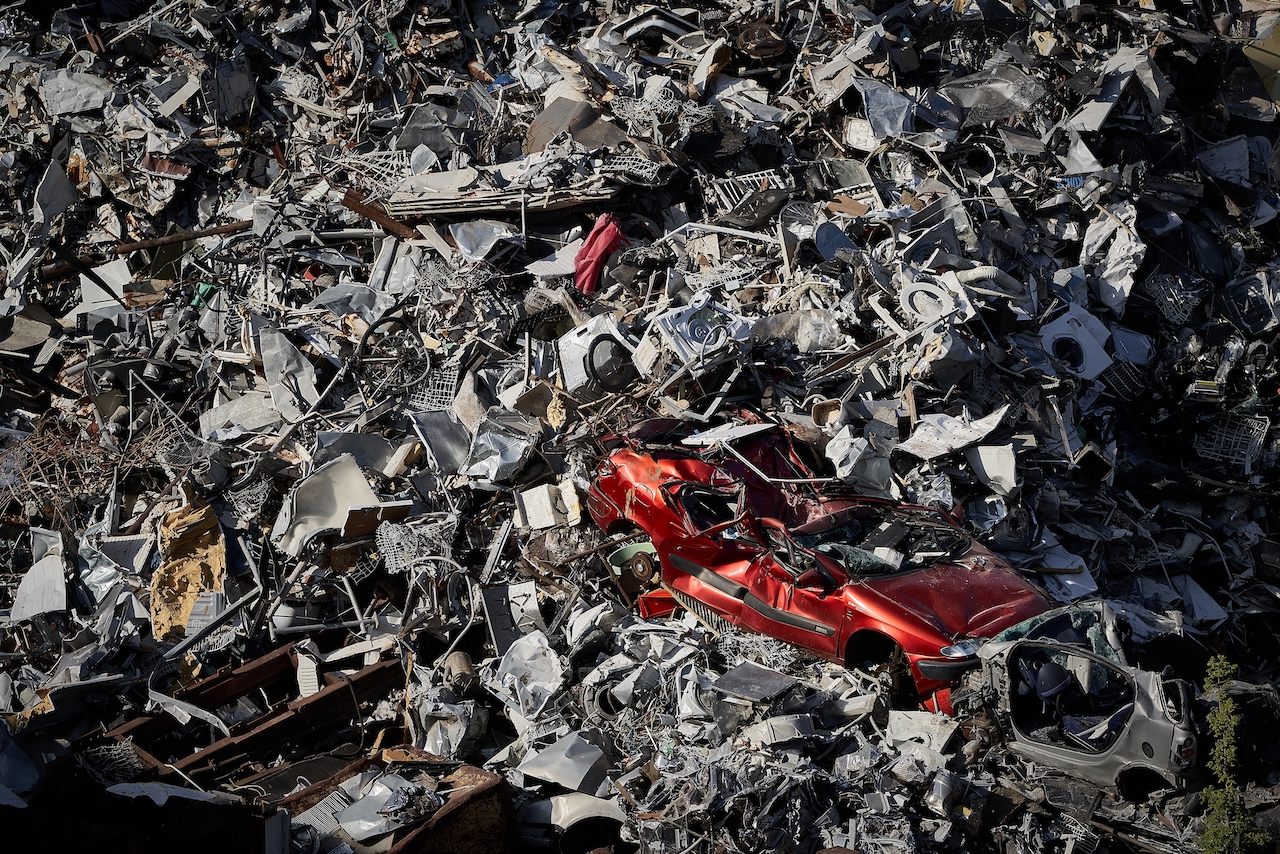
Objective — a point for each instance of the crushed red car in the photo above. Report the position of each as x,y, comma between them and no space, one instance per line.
743,534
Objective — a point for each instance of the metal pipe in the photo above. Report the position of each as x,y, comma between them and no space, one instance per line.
715,229
475,611
170,239
319,627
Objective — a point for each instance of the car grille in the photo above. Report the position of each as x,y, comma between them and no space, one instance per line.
705,615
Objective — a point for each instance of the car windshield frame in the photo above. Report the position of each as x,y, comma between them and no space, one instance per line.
732,493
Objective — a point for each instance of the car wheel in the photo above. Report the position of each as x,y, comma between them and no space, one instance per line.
643,566
902,686
884,658
392,356
1137,784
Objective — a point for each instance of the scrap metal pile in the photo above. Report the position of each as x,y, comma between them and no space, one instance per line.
745,426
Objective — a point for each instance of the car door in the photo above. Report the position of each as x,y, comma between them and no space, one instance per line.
823,607
709,551
776,604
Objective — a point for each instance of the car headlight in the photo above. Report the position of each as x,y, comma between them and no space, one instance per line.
962,649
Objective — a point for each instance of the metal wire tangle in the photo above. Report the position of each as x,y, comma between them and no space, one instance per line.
404,548
377,173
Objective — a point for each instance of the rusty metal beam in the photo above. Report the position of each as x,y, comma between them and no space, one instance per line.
300,717
213,691
353,201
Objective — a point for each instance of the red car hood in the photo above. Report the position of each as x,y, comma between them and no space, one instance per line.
960,601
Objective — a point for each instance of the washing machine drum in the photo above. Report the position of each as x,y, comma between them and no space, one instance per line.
1068,342
927,300
1069,351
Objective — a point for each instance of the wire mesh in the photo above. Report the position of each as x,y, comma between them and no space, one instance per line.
405,547
219,638
172,443
648,256
1124,379
111,764
399,546
643,115
363,568
983,387
1084,840
377,173
540,299
356,561
738,646
632,169
1175,296
249,500
800,218
299,84
1233,439
694,115
730,276
724,194
470,283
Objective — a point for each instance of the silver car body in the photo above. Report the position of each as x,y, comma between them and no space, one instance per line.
1156,735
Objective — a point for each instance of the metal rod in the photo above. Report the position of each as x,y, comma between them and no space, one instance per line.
170,239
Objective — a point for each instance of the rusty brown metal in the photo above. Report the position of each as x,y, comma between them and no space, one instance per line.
325,709
353,201
214,691
183,236
477,817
